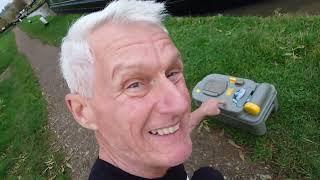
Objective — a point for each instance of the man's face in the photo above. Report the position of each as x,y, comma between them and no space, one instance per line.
141,104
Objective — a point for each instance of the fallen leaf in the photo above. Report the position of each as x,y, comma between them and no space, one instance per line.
298,47
53,177
69,166
288,54
45,170
61,169
200,127
221,133
206,127
228,33
234,144
50,162
264,177
241,155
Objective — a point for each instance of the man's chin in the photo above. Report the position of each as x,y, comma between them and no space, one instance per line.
180,156
171,150
174,155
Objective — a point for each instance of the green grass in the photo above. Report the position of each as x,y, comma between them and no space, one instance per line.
25,142
7,48
53,32
282,50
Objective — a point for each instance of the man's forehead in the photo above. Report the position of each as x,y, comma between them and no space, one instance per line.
173,60
111,36
110,32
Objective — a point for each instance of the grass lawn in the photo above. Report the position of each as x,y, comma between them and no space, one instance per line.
53,32
282,50
24,147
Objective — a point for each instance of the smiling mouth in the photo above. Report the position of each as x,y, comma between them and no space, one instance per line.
165,131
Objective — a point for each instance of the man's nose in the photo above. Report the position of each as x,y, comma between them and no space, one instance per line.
172,99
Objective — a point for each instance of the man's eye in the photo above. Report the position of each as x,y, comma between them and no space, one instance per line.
134,85
136,88
174,75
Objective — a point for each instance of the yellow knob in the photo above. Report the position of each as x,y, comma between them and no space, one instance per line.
252,108
229,91
232,80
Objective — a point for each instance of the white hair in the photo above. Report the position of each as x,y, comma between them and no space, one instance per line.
76,60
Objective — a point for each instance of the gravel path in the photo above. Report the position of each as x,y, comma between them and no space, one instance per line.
212,147
77,142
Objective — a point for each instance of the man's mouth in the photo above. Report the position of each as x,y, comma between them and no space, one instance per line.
166,130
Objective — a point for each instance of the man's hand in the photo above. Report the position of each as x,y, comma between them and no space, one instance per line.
211,107
208,108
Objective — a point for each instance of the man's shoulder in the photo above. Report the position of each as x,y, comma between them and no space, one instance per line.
100,170
103,170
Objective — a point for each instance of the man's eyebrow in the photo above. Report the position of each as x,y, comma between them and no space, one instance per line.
120,66
176,60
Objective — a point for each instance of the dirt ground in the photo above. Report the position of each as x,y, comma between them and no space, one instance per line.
210,148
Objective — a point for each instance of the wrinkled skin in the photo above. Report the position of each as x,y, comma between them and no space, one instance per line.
139,87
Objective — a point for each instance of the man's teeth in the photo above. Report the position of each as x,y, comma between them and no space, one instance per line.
165,131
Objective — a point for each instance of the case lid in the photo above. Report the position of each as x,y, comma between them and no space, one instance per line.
215,87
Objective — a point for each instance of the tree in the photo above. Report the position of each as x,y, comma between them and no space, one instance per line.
19,4
3,22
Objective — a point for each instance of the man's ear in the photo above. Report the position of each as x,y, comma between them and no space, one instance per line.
81,111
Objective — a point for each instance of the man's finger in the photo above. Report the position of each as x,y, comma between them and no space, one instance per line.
221,104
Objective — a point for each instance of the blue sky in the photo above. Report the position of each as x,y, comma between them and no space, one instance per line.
3,4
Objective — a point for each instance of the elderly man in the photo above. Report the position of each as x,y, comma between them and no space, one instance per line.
126,81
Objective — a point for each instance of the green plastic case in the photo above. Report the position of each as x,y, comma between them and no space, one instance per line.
236,92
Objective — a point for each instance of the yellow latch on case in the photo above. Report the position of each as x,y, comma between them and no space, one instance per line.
232,80
252,108
229,91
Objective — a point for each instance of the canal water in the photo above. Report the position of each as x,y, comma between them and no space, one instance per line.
231,7
270,7
243,7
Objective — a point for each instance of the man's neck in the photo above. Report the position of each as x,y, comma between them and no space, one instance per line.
129,166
